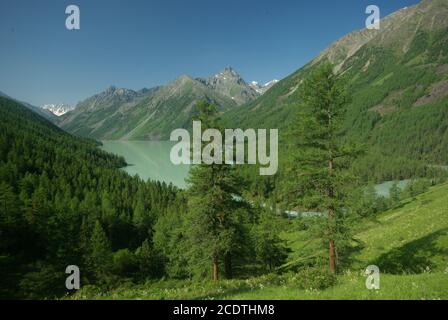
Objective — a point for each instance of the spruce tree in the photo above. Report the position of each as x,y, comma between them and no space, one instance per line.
9,219
270,249
100,253
212,224
317,171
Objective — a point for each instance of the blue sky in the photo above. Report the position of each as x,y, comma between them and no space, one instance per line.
136,44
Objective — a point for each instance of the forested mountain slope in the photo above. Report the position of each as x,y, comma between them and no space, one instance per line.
64,202
44,113
398,77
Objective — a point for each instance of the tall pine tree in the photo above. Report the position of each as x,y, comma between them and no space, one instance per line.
100,253
318,175
213,221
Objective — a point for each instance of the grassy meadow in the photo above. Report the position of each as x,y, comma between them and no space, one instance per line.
409,244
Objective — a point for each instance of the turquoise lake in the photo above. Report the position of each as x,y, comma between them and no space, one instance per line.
149,160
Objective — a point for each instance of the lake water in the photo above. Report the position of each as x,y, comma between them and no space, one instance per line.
149,160
383,189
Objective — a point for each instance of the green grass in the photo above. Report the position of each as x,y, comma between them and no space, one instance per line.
350,286
381,81
409,245
409,239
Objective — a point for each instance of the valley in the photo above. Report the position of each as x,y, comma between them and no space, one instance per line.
359,179
395,79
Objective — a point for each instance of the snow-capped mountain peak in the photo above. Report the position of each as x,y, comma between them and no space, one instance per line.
270,83
261,89
58,109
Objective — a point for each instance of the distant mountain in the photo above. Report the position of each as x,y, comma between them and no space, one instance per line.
398,77
230,84
262,88
151,114
57,109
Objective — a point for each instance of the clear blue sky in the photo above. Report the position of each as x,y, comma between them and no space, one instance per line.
137,44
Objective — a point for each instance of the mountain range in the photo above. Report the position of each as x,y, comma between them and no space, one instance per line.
58,109
397,76
151,114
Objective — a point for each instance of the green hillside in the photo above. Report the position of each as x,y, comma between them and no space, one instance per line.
57,194
398,77
409,245
410,239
